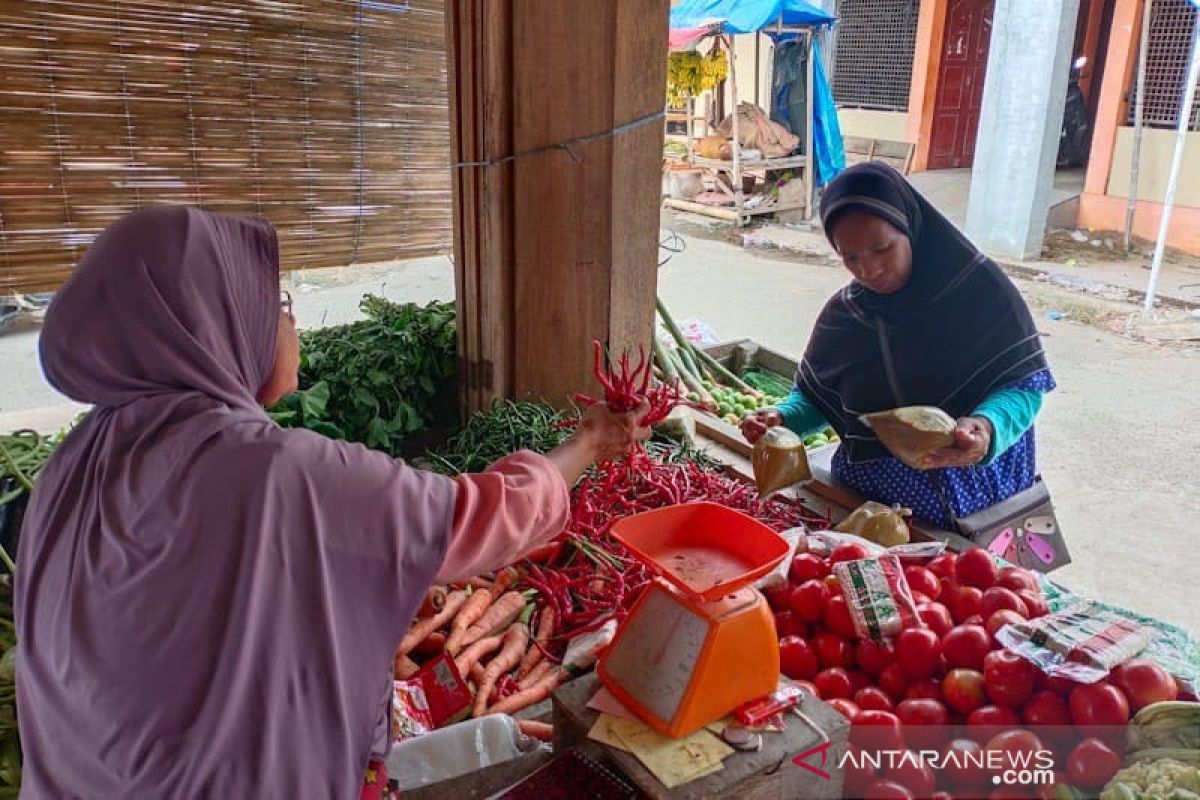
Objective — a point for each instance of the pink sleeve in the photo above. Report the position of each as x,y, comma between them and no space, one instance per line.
500,515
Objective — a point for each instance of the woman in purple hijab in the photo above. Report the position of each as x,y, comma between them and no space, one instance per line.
207,604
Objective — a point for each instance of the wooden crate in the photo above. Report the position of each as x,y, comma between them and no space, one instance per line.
739,354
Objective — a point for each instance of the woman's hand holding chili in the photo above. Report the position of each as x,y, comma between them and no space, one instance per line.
610,434
756,423
972,440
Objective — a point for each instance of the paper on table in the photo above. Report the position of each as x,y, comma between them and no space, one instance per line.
673,761
602,732
606,702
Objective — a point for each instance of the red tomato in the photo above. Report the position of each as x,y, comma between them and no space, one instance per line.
778,597
796,658
963,765
872,698
1017,579
873,656
963,690
1098,704
846,708
1092,764
986,721
858,774
926,689
914,775
787,624
837,617
833,651
917,651
858,679
806,567
877,730
966,646
974,619
926,722
922,580
937,617
808,600
976,568
848,551
886,790
998,598
998,620
943,565
1144,682
1057,684
963,601
1035,602
1008,678
893,680
941,796
1047,710
919,597
833,683
1012,744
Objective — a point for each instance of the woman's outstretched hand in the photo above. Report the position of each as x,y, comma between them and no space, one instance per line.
972,440
756,423
610,434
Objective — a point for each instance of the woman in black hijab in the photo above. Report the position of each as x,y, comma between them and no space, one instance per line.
927,320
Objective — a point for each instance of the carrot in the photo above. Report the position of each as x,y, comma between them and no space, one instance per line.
512,647
479,583
476,651
427,625
535,674
531,696
504,578
431,645
538,730
435,601
472,610
404,667
498,616
545,629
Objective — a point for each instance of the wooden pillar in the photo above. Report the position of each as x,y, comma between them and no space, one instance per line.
557,246
927,63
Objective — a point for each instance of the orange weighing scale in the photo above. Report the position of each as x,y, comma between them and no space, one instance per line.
700,641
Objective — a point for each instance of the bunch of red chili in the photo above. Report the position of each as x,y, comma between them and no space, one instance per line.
589,577
626,386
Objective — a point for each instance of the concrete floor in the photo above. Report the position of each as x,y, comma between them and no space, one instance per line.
1119,443
949,189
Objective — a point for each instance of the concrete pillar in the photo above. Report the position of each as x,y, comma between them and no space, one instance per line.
1019,124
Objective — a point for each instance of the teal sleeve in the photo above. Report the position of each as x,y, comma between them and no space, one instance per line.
1011,412
799,415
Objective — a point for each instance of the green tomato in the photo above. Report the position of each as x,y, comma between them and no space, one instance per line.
732,419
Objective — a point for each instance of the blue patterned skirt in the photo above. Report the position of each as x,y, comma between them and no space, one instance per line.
965,489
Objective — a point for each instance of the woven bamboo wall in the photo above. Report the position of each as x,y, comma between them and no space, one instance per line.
328,117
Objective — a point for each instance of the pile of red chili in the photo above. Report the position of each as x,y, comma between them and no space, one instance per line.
625,386
588,577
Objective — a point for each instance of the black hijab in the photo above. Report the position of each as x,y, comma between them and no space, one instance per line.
956,332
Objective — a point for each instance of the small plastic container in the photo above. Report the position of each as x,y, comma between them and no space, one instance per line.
705,549
456,750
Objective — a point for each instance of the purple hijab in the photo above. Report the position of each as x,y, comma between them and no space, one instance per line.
207,605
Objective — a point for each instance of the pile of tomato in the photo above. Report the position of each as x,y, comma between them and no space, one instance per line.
948,684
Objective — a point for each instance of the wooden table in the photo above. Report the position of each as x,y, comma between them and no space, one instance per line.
767,774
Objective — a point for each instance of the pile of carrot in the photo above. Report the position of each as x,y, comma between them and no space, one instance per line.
499,637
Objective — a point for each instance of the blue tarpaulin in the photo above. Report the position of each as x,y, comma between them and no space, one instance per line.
747,16
827,133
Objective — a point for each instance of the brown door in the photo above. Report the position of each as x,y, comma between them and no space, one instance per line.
960,83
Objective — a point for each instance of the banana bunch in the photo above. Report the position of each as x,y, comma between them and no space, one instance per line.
1168,725
689,74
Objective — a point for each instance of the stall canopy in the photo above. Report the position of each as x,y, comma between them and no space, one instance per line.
747,16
